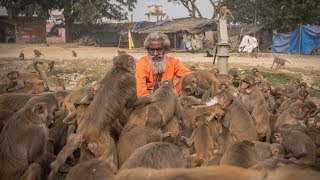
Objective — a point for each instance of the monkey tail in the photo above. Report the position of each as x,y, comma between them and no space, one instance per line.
287,61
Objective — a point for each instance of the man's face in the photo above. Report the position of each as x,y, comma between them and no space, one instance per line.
156,50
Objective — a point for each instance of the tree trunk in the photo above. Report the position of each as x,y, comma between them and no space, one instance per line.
196,10
68,24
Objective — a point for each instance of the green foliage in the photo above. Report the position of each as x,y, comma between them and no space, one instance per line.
280,15
82,11
276,79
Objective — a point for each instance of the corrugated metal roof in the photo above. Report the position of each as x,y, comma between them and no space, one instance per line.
191,25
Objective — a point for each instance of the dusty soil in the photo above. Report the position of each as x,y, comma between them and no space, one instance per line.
97,60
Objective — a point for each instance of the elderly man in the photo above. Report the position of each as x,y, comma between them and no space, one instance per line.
157,66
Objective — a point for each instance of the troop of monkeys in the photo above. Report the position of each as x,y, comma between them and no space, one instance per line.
37,54
230,126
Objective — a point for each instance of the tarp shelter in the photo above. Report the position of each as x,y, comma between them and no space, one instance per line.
247,44
303,40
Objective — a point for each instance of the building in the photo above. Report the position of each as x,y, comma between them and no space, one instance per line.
22,29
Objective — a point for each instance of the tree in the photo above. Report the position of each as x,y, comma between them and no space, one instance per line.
190,6
281,15
82,11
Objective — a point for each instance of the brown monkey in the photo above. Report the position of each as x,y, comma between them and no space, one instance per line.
279,61
92,169
76,95
297,113
294,97
254,102
257,76
217,172
37,53
298,145
156,155
144,124
241,154
193,68
29,82
93,133
51,65
237,119
235,78
201,138
121,52
31,124
74,54
5,115
254,54
200,83
222,12
267,94
267,150
21,55
15,101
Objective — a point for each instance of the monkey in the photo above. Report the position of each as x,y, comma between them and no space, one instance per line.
222,12
293,97
279,61
314,51
258,79
297,113
74,54
254,102
5,115
241,154
173,126
234,74
121,52
92,169
267,150
201,138
21,55
266,91
28,82
28,126
237,119
254,54
211,172
208,54
156,155
51,65
144,124
15,101
200,83
193,68
93,133
37,53
298,145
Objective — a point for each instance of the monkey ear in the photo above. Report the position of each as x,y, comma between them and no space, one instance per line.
39,108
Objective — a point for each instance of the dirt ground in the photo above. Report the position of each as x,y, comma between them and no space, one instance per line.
94,57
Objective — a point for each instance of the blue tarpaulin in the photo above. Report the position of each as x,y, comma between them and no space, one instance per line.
289,42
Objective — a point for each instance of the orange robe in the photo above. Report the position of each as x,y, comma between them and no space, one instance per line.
146,79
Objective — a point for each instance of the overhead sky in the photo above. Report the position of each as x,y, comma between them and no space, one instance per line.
172,10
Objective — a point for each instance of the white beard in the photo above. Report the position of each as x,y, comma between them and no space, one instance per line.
158,66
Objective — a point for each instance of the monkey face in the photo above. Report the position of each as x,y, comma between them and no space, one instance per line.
13,75
278,137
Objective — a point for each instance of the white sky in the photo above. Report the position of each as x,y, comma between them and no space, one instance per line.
172,10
